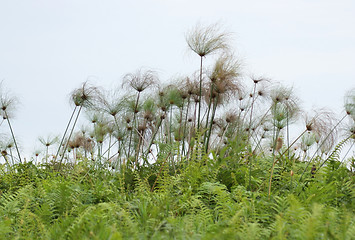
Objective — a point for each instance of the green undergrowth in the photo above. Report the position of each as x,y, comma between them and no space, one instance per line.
202,198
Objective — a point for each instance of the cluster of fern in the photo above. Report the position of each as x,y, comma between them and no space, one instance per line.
206,157
202,198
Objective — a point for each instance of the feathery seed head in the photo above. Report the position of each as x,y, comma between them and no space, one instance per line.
231,117
85,96
350,103
205,40
140,80
8,103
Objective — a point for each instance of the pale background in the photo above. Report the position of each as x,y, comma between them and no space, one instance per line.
48,48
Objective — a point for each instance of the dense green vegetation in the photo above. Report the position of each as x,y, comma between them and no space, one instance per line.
207,157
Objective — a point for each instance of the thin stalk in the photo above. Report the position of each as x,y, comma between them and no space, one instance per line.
208,112
13,136
140,144
181,112
336,148
154,135
258,141
321,146
65,132
170,122
211,123
275,136
294,141
347,152
185,123
221,138
273,162
180,126
133,123
12,157
264,116
258,145
74,156
288,133
71,132
120,143
46,154
99,147
250,158
195,114
141,135
200,96
251,110
108,150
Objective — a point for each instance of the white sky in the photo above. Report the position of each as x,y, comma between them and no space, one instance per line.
48,48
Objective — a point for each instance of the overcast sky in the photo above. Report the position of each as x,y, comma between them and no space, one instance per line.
48,48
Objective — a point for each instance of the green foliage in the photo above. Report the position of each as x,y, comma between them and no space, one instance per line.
191,203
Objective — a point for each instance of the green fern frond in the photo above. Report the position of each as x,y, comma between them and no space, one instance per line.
335,155
280,204
9,204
